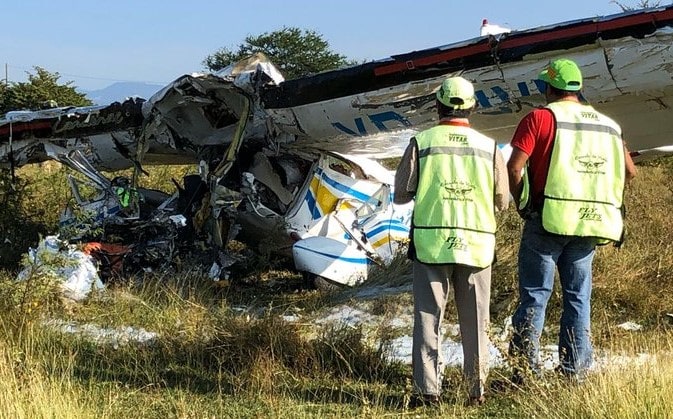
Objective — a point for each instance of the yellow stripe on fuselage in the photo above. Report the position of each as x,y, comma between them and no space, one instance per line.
325,199
380,242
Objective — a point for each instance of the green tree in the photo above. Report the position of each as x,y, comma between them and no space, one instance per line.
3,97
41,90
18,226
296,52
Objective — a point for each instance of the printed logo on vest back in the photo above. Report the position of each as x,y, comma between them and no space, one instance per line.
590,214
458,138
591,164
589,115
456,243
457,191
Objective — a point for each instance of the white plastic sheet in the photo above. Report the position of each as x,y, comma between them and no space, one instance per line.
74,268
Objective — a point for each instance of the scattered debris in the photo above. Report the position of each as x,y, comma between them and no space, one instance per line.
630,326
104,335
130,230
332,213
74,268
359,313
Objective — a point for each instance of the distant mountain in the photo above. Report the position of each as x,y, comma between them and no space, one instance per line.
119,91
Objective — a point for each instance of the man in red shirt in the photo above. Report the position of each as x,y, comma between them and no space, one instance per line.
572,155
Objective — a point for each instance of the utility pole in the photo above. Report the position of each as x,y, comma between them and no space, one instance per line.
6,76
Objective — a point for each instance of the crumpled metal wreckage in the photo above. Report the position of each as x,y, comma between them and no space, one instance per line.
128,230
333,213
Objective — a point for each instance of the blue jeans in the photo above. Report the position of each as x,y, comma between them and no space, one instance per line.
539,254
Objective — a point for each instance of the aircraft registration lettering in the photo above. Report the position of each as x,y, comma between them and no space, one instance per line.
502,94
378,119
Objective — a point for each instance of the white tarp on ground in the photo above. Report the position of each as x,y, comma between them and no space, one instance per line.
115,336
75,269
358,313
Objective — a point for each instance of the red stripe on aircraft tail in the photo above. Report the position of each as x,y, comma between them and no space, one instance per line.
556,34
24,126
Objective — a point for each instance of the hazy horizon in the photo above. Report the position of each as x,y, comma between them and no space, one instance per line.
95,44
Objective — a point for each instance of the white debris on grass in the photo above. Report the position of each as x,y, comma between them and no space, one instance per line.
291,318
549,356
116,337
75,269
358,314
400,347
214,272
606,360
630,326
345,315
452,352
400,321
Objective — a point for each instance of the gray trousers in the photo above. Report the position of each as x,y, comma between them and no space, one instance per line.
472,290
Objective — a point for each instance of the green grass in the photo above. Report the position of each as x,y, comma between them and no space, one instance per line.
228,352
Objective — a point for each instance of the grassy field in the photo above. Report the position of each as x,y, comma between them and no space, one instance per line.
233,352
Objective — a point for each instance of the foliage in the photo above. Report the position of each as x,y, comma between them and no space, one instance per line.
30,204
642,4
42,90
296,52
18,228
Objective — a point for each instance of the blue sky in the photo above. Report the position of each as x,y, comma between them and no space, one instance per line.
95,43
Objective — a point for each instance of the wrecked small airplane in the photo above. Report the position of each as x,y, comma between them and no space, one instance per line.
287,154
325,205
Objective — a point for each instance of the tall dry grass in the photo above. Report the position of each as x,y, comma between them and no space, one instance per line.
636,381
28,386
228,352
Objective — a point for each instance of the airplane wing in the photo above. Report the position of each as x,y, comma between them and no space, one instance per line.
373,108
105,134
626,60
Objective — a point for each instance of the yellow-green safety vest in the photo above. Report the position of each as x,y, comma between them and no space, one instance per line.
585,183
454,212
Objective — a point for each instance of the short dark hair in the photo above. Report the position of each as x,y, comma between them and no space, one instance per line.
559,92
447,111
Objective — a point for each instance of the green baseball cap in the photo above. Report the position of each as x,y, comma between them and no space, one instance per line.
562,74
457,93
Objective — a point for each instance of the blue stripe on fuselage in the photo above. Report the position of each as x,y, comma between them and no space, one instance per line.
360,261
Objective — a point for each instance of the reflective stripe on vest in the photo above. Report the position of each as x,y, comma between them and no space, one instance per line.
454,213
525,198
585,184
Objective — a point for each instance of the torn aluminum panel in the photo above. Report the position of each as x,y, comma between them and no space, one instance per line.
202,110
343,220
105,134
